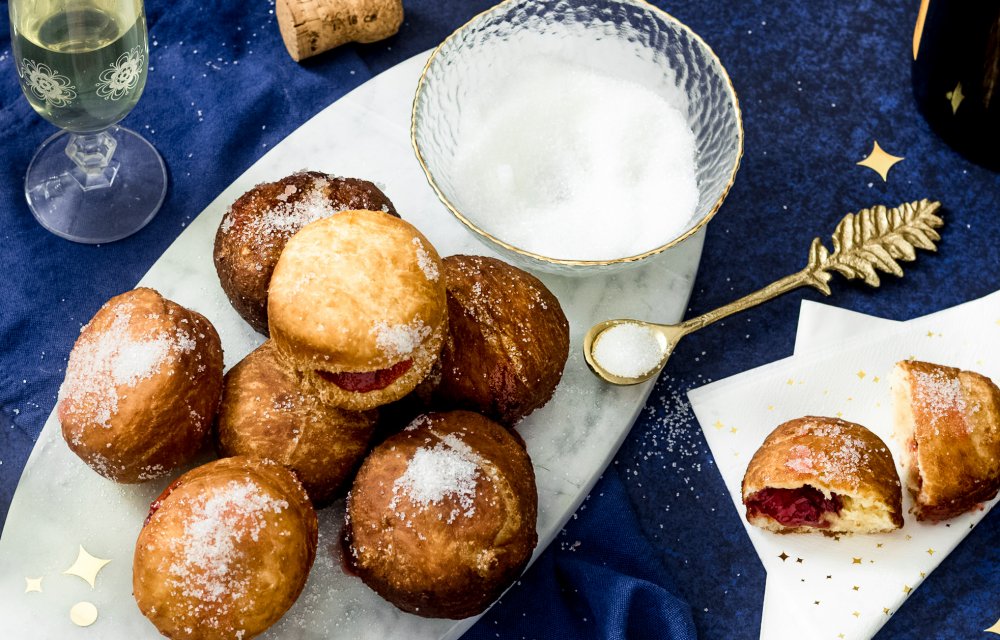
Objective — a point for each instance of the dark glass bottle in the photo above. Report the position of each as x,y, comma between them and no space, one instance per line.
956,75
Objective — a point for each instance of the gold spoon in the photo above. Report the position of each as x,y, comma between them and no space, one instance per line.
863,244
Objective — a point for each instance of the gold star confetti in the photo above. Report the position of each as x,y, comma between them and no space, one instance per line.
856,587
86,566
856,614
815,601
880,162
994,629
955,97
829,577
32,584
840,635
718,424
840,415
861,375
83,614
770,407
909,537
930,334
930,552
907,589
885,610
733,430
856,560
878,545
790,381
798,560
783,556
923,575
875,379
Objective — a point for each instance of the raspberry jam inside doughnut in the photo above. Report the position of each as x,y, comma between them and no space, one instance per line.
365,381
795,507
155,506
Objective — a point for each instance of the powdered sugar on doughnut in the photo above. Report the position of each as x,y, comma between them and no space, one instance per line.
800,459
842,461
399,340
425,262
210,549
283,218
98,368
448,469
939,395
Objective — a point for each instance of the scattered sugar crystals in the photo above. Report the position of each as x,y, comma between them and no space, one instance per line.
425,262
628,350
400,340
212,537
283,218
938,394
448,469
97,368
590,167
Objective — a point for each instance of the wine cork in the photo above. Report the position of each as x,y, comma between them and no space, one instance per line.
309,27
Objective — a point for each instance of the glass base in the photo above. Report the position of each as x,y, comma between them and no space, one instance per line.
110,205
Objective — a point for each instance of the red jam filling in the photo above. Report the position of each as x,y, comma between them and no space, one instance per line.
366,381
804,506
155,506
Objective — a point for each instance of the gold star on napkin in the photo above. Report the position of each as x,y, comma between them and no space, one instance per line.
86,566
880,162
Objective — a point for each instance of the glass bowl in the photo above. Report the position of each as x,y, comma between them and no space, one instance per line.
628,39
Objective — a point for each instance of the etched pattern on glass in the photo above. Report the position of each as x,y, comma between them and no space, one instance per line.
122,76
46,83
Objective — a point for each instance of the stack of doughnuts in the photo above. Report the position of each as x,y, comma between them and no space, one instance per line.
361,313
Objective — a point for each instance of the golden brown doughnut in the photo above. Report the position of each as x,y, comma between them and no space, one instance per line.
142,387
225,551
267,414
441,516
255,229
948,422
507,343
823,474
357,305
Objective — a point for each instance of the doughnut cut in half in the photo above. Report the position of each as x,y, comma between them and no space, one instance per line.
948,422
823,474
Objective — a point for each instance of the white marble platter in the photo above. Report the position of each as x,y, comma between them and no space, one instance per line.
60,503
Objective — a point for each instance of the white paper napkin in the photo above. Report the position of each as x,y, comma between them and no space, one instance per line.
818,586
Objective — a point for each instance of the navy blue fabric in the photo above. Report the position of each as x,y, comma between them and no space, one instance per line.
818,82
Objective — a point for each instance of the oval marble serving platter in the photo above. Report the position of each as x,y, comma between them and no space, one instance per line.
60,504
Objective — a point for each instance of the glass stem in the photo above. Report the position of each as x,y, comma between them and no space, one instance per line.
92,154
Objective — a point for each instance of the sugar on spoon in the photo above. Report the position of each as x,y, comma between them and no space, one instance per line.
626,352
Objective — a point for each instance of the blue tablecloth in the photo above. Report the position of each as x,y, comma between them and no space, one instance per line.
658,549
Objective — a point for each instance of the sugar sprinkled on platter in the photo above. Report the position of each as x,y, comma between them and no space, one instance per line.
571,163
627,350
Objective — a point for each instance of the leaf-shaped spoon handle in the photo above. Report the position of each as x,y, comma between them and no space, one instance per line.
864,243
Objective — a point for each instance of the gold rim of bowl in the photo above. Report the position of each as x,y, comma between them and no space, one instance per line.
562,261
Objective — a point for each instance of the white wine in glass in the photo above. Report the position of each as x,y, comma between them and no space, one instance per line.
82,65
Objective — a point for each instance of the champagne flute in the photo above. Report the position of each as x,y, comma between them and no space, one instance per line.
82,65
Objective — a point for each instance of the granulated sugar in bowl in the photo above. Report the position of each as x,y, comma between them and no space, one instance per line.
577,137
